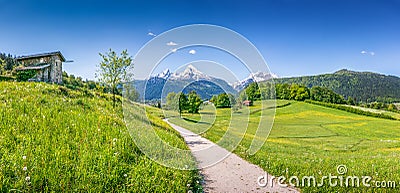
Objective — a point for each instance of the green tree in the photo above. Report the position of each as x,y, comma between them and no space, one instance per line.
232,99
214,99
172,101
130,92
391,107
223,101
193,103
253,92
323,94
302,93
2,66
183,101
282,91
114,69
267,90
350,101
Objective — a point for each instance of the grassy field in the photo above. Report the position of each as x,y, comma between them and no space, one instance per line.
311,140
55,139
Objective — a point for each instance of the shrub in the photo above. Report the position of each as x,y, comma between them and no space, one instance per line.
351,109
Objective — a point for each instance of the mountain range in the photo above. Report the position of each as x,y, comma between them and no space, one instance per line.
361,86
159,85
253,77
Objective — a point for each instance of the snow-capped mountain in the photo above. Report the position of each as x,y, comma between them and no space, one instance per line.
164,74
190,73
159,85
253,77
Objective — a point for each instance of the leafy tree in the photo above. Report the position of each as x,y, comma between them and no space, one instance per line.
214,99
325,95
282,91
223,101
9,62
302,93
172,101
243,96
267,90
130,92
253,92
114,69
2,65
232,99
193,103
391,107
182,104
350,101
25,75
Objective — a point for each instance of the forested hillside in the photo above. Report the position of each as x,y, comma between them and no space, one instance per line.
362,86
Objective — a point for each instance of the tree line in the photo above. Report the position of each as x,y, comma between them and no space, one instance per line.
363,87
182,102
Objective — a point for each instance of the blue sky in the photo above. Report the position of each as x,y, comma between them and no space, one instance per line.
295,37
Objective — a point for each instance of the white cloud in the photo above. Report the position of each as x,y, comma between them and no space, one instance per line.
174,50
368,52
151,34
192,52
171,44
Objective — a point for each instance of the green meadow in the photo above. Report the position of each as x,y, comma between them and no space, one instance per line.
310,140
55,139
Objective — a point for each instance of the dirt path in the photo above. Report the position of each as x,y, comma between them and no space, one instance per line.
232,174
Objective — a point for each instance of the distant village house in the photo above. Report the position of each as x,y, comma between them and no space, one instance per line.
247,103
48,66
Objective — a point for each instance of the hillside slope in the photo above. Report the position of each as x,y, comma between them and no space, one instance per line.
56,139
363,86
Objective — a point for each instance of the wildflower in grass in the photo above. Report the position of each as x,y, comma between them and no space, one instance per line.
25,168
28,178
23,157
188,185
125,175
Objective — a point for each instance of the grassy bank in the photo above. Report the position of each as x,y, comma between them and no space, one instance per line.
56,139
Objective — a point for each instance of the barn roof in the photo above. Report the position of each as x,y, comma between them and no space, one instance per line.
42,55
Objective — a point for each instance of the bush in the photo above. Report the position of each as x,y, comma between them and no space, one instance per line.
351,109
25,75
6,78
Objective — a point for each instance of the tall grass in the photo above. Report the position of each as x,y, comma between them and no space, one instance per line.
56,139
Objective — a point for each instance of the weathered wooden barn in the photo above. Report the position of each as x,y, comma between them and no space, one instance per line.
48,66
